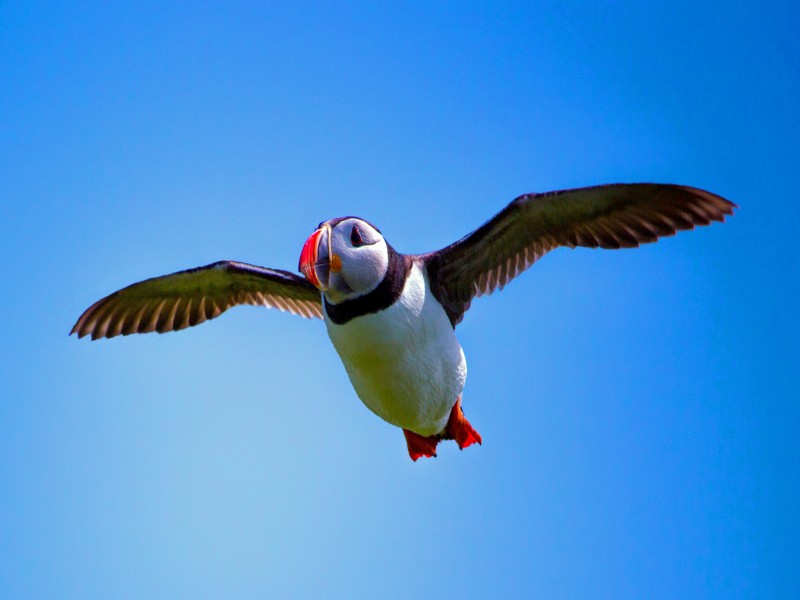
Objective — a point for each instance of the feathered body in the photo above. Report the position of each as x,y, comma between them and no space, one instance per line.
404,362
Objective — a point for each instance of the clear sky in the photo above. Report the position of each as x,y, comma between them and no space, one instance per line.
639,409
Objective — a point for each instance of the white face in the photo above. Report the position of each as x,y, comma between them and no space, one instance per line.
347,260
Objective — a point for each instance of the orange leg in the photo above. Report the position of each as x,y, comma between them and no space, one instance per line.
457,428
460,429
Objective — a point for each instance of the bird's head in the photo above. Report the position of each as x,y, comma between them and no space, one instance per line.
345,258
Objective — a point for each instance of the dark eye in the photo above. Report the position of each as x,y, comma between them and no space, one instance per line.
355,237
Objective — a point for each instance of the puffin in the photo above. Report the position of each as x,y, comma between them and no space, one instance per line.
392,317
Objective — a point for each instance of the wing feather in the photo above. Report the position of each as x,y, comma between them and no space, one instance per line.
187,298
608,216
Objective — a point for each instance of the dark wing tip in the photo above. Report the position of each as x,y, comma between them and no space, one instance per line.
85,325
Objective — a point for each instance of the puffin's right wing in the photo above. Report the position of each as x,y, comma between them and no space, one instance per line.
186,298
605,216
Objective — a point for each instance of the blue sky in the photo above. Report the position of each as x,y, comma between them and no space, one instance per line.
639,409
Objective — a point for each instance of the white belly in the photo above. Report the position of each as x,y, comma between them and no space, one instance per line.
404,362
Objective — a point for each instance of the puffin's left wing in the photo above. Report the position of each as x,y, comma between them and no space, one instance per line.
186,298
606,216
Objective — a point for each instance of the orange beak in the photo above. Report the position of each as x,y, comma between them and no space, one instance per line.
310,264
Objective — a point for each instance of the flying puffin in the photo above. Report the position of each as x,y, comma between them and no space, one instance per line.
392,316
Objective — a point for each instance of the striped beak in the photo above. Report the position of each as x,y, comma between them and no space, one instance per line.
314,258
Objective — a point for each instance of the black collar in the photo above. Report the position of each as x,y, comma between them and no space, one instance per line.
383,296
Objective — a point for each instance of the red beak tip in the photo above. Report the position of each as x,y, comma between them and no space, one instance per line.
308,258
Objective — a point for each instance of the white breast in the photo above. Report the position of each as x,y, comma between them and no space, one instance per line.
404,362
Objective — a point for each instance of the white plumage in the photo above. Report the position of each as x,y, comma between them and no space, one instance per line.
404,362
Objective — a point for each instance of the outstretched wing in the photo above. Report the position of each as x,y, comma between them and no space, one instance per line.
186,298
606,216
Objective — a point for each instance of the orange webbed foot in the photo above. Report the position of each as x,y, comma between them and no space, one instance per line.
419,445
460,429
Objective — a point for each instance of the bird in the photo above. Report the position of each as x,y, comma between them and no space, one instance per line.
392,317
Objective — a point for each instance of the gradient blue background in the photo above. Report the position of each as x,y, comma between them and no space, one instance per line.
639,409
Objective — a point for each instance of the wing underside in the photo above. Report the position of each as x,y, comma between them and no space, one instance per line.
186,298
608,216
